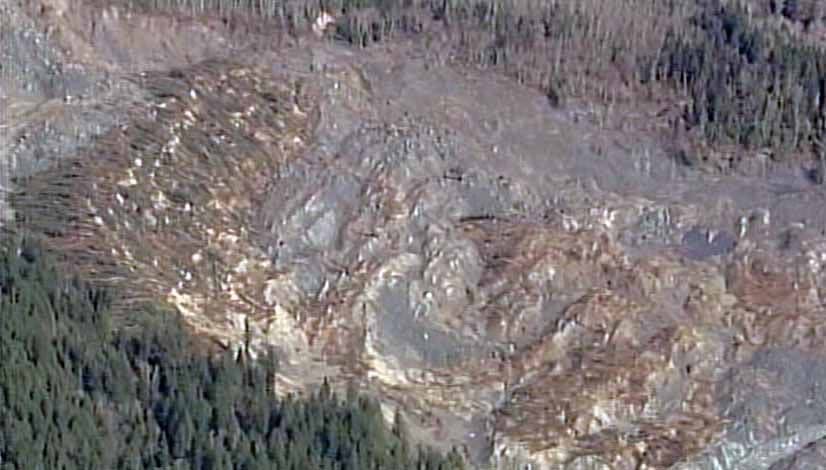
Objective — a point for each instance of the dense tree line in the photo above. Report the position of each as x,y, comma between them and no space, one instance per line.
807,12
748,85
79,392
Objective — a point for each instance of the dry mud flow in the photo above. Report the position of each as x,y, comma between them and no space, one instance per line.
523,281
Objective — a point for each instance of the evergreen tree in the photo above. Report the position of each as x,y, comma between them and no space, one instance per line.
77,393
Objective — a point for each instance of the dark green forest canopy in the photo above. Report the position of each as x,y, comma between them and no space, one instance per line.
748,85
77,391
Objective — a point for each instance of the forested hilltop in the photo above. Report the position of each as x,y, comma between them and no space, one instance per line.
745,76
81,390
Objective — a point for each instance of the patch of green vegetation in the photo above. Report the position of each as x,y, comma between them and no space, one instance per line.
81,390
748,85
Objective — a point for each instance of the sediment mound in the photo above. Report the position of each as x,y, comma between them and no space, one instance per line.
522,281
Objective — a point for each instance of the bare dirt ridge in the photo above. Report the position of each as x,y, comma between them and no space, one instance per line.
523,281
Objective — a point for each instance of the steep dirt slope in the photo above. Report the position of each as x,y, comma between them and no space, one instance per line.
521,281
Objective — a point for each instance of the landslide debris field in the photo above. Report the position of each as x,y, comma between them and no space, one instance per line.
545,238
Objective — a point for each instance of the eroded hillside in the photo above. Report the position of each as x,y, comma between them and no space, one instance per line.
527,281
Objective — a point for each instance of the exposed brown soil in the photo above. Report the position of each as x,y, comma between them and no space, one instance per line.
531,283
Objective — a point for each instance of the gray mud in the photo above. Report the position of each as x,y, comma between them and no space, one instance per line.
408,156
